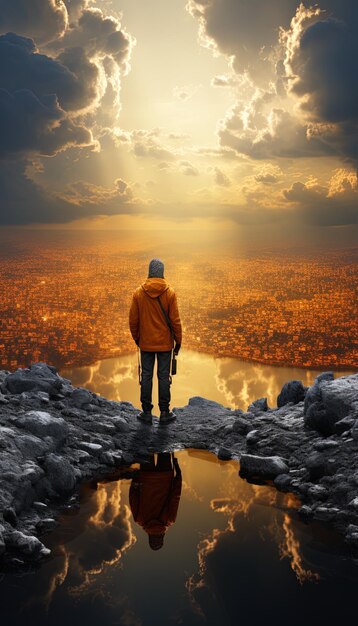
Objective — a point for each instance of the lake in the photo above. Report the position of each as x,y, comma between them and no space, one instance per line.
236,553
230,381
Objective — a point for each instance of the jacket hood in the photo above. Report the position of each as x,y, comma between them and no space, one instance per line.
154,287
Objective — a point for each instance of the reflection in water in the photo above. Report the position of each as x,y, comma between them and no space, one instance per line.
229,537
231,382
154,496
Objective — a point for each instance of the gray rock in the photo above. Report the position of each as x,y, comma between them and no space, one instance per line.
60,474
241,426
81,397
203,402
32,447
92,448
293,391
120,423
319,418
283,482
224,454
258,405
313,393
252,437
316,466
328,444
26,544
346,423
39,377
43,424
262,466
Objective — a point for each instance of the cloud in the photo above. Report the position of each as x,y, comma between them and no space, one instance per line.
221,179
331,205
321,67
269,174
25,202
147,145
224,81
42,20
244,31
285,55
30,125
188,168
58,63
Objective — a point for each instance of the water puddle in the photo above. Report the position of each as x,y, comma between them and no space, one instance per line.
224,552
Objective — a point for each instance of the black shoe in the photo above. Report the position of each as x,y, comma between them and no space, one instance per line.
145,416
166,417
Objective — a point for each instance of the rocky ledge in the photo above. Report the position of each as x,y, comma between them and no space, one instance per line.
54,436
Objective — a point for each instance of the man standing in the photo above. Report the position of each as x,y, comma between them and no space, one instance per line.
149,326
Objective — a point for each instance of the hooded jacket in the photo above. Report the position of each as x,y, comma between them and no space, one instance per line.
146,319
154,500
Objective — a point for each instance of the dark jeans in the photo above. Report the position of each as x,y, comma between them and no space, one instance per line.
163,372
164,463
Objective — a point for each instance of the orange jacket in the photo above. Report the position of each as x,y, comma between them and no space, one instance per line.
146,320
154,500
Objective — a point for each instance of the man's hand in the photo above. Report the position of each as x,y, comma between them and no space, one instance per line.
177,348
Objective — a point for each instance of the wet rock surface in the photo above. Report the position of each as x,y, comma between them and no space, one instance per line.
54,436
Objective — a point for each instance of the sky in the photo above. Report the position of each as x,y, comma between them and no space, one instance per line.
221,116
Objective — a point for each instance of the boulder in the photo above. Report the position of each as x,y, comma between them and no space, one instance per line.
313,393
252,437
262,466
293,391
241,426
340,396
258,405
59,473
224,454
26,544
346,423
80,397
43,425
31,447
316,465
319,418
39,377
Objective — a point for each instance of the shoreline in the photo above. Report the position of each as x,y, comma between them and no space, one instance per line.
55,437
276,364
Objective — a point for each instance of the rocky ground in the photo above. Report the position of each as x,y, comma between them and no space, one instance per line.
54,436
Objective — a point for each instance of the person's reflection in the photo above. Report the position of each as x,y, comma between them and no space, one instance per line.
154,496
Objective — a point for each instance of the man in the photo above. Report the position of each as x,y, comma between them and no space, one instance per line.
150,330
154,496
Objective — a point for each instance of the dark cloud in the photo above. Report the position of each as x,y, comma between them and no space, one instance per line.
281,135
25,202
72,78
98,34
318,206
28,124
58,63
321,66
42,20
244,30
288,49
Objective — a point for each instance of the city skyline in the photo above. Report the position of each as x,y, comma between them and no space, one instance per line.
66,301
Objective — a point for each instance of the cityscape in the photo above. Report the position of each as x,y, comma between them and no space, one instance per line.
68,304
